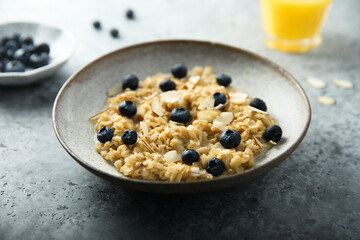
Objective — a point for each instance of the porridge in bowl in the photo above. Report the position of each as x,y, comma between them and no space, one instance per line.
183,126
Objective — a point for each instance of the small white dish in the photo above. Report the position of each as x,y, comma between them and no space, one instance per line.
61,44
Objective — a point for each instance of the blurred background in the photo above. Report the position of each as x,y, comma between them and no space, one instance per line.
314,194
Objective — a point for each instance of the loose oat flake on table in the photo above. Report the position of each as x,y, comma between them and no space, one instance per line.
199,130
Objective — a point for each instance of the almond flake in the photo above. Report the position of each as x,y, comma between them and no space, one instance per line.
147,145
272,142
217,146
170,96
114,90
257,110
176,123
257,142
172,156
219,125
342,83
196,172
156,107
237,97
208,115
97,116
316,83
220,106
225,117
326,100
144,128
192,82
208,103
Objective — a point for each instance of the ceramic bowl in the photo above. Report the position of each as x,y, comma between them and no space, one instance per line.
83,95
61,48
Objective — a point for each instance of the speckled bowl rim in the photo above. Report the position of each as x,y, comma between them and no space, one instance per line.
54,64
248,174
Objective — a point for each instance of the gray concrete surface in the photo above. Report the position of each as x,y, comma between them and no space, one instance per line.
314,194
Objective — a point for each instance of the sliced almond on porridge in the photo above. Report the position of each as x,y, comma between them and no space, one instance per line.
156,107
208,115
272,142
147,145
170,96
257,110
225,117
144,128
343,83
114,90
196,172
217,146
315,82
207,103
192,82
172,156
97,116
257,142
237,97
219,125
220,106
326,100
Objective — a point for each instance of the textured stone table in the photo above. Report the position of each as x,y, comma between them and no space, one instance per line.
314,194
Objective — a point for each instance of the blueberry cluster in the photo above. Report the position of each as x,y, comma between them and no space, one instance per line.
19,52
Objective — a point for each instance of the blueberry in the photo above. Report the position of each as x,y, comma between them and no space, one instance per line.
11,44
130,14
180,114
26,40
258,103
43,47
2,53
273,133
16,38
127,108
189,156
129,137
215,166
130,81
230,138
21,55
97,24
1,66
179,70
219,98
223,79
38,59
9,53
105,134
167,85
114,33
4,40
14,66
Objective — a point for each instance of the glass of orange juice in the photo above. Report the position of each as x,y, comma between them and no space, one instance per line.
293,25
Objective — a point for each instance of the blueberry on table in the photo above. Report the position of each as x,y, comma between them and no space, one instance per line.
97,24
258,103
43,47
273,133
189,156
223,79
180,114
215,166
129,137
167,85
14,66
127,108
130,81
21,55
230,138
114,33
130,14
179,70
219,98
38,59
105,134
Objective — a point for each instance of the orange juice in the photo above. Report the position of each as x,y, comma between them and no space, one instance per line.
293,25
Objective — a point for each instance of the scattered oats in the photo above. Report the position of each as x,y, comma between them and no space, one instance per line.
151,96
156,107
219,125
208,115
172,156
326,100
315,82
343,83
225,117
114,90
238,97
257,110
208,103
170,96
217,146
257,142
144,128
97,116
192,82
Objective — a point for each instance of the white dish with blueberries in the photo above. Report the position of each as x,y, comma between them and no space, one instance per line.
30,52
